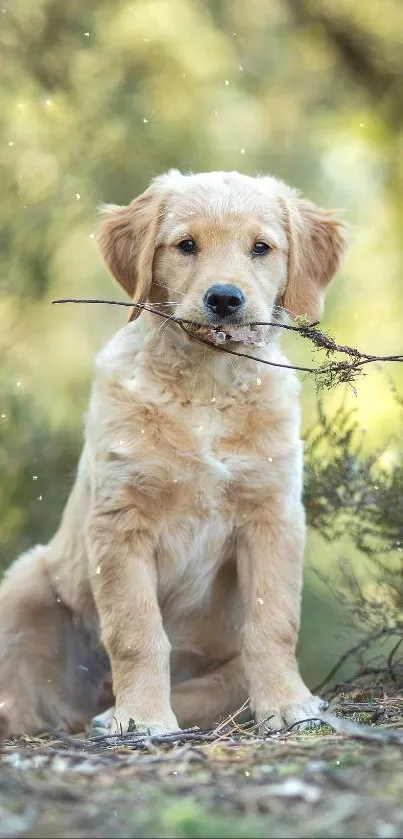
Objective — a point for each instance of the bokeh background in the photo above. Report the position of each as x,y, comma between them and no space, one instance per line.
98,97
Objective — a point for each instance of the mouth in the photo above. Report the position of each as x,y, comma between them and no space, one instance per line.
230,334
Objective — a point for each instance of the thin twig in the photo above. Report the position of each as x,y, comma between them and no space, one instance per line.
100,738
142,306
183,323
328,374
391,656
357,731
363,644
246,355
297,723
145,307
142,741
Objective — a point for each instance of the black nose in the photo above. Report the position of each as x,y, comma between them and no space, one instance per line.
224,300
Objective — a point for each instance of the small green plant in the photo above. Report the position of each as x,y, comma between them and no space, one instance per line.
354,494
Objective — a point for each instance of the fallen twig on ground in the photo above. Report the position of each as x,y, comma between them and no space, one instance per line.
361,732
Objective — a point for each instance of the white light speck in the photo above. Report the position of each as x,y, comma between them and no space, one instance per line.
92,235
98,571
213,399
18,384
34,477
145,120
48,102
11,143
142,431
175,480
247,774
226,83
240,67
121,442
2,704
200,428
270,459
362,124
260,601
242,151
3,416
58,600
258,382
40,497
86,34
78,196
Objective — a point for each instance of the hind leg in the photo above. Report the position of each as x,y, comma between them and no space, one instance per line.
208,699
102,722
44,662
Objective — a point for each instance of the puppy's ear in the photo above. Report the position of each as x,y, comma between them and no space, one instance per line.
127,242
316,244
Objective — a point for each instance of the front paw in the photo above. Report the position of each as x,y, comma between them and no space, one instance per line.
302,714
144,728
114,722
132,723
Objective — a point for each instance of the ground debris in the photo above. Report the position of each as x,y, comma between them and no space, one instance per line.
231,782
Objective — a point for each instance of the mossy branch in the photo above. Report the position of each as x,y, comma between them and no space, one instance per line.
327,375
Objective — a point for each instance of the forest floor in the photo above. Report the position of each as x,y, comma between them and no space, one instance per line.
341,780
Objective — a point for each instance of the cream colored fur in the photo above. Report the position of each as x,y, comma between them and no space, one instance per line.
179,555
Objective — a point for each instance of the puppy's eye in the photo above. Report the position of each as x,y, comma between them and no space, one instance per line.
187,246
260,248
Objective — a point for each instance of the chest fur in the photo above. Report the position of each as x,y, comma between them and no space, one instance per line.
201,459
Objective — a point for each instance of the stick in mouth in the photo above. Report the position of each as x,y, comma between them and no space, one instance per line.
245,334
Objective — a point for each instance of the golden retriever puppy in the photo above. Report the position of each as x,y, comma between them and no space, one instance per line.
176,570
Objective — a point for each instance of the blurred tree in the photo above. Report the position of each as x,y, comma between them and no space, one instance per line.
369,42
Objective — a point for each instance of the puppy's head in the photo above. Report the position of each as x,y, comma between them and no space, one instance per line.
222,248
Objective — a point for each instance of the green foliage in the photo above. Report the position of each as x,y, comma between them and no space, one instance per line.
32,463
355,497
350,491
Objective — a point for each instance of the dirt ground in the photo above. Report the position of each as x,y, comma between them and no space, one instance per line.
343,780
